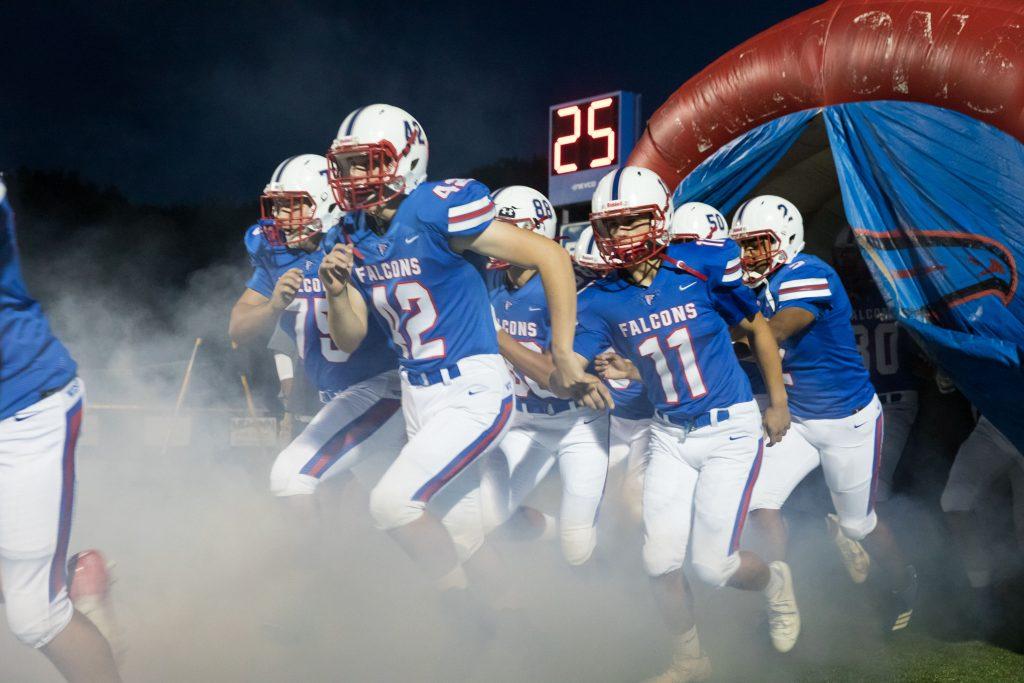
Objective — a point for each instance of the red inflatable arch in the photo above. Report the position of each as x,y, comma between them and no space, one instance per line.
965,56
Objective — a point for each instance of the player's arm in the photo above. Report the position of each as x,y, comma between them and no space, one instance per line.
536,366
523,248
253,315
766,350
347,316
789,322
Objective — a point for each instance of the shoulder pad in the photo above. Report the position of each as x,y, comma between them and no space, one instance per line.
451,202
254,239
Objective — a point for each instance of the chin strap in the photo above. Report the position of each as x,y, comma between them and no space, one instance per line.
676,263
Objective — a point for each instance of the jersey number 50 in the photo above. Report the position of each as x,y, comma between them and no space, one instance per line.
418,317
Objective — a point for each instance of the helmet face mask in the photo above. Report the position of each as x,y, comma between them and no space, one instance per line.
365,175
761,254
621,237
288,218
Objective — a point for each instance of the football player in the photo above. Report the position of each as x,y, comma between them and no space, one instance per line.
697,221
837,418
41,402
547,429
630,423
669,311
359,391
398,259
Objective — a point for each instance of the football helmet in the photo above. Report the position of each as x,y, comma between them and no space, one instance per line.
770,231
380,153
622,201
523,207
697,221
586,252
297,202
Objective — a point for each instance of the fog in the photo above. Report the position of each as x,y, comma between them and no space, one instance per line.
215,583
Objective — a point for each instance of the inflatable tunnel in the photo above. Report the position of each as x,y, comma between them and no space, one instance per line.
903,120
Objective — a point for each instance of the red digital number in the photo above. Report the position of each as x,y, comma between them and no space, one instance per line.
573,147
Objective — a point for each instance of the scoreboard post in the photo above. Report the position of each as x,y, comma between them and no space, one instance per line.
587,138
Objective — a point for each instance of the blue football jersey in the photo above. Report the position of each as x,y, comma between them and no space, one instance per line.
523,314
631,402
327,367
821,365
676,331
32,359
429,299
885,348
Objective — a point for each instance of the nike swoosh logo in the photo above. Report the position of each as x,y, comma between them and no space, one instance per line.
536,308
586,422
474,393
733,438
23,417
683,288
410,240
860,425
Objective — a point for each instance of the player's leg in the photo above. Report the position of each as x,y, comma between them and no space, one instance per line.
632,488
732,456
851,454
979,463
37,486
529,454
361,421
783,466
451,425
899,412
667,508
583,466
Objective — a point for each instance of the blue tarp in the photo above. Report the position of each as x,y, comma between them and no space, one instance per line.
936,200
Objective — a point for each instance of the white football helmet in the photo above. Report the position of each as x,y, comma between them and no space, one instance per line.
697,221
389,149
525,208
623,197
298,202
587,253
770,231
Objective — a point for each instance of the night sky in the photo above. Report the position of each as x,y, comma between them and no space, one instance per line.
175,106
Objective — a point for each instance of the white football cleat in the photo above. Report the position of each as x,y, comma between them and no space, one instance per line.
855,558
89,589
685,670
783,614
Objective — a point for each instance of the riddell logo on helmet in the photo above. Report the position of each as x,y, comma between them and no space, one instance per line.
616,204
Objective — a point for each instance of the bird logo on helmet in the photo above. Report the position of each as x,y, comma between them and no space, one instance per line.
526,208
380,153
631,210
298,203
697,221
770,231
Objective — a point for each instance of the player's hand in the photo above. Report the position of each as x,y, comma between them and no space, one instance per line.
284,291
591,392
776,423
611,365
336,269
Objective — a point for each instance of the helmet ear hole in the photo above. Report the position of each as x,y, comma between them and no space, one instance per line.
414,164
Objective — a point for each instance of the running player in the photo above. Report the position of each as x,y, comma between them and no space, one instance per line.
837,418
669,311
359,391
547,429
41,402
398,258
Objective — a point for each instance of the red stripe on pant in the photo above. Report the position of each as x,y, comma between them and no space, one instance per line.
58,566
467,455
876,464
748,490
350,436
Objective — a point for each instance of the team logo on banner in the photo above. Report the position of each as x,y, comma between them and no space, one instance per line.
949,268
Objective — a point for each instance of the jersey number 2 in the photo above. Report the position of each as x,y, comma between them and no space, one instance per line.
419,315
